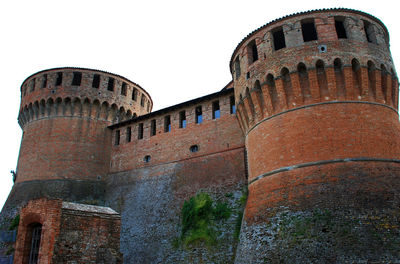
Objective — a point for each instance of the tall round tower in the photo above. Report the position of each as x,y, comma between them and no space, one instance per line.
64,115
317,100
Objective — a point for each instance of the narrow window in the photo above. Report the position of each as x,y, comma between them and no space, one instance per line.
128,134
167,123
147,158
117,136
252,52
35,244
194,148
247,75
199,115
148,106
237,67
340,29
153,128
369,32
140,131
44,83
279,39
96,81
134,94
33,84
142,100
59,78
110,86
216,112
123,89
77,78
232,105
182,119
308,30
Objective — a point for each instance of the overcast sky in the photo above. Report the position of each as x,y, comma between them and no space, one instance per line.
175,50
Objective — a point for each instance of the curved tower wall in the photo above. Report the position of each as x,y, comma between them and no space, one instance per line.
64,116
319,111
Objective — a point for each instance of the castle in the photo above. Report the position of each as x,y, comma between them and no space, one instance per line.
309,125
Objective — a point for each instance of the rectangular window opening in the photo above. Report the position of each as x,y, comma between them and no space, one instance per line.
216,112
142,100
44,83
140,131
59,78
232,105
167,123
340,29
128,134
96,81
134,94
123,88
153,128
309,31
199,115
110,86
237,67
33,83
77,78
279,39
252,51
117,137
182,119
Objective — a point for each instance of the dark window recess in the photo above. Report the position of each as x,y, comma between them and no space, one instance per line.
123,89
167,123
309,31
134,94
35,244
279,39
117,137
147,158
128,134
142,100
199,115
110,85
252,51
153,128
216,112
248,75
140,131
148,106
96,81
232,105
59,78
182,119
340,29
194,148
237,67
77,78
33,83
369,32
44,83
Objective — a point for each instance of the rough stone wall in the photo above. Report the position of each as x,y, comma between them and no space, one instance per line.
87,236
150,201
150,195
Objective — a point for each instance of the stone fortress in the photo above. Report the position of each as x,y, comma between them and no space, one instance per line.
308,127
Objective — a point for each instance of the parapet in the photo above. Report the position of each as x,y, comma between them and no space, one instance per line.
81,92
313,57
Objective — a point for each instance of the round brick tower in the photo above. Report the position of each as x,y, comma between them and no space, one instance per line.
317,99
64,115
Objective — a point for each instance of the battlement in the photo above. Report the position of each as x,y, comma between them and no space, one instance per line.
313,57
81,92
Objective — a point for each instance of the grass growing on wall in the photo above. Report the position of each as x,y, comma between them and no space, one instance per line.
199,215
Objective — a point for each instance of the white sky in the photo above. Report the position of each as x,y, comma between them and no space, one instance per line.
176,50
